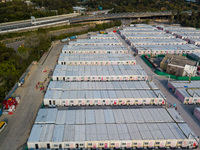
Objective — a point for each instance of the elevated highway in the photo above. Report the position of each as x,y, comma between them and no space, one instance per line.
51,21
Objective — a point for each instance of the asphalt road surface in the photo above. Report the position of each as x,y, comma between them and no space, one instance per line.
16,133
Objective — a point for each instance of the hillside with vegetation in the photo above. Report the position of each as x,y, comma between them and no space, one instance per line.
19,10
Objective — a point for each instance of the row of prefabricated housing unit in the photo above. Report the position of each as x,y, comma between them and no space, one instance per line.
97,59
187,92
101,49
192,35
107,84
60,93
99,73
110,128
151,40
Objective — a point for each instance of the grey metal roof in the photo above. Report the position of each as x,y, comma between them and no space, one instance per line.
58,133
108,124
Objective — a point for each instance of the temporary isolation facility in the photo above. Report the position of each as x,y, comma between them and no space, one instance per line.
166,49
99,73
110,128
96,59
60,93
187,92
88,49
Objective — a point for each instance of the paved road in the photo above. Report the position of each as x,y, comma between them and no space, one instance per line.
19,125
184,110
15,44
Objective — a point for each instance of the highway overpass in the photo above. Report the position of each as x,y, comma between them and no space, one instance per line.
27,25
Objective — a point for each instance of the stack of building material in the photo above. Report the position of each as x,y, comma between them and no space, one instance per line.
187,92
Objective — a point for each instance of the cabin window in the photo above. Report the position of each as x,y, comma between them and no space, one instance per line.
81,144
187,100
157,143
134,143
54,102
144,100
63,101
48,146
67,144
57,78
101,144
104,101
123,143
55,145
79,101
128,100
49,102
136,100
146,143
120,101
89,144
168,142
190,142
112,144
180,142
36,146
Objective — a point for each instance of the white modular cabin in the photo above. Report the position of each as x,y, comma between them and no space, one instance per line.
171,41
103,97
166,49
99,73
98,49
187,92
197,113
95,42
110,128
98,59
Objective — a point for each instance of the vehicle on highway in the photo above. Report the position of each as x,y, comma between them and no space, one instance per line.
2,125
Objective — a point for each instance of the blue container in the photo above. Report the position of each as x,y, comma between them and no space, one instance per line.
100,8
73,37
1,110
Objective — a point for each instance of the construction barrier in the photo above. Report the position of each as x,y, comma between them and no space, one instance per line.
166,74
